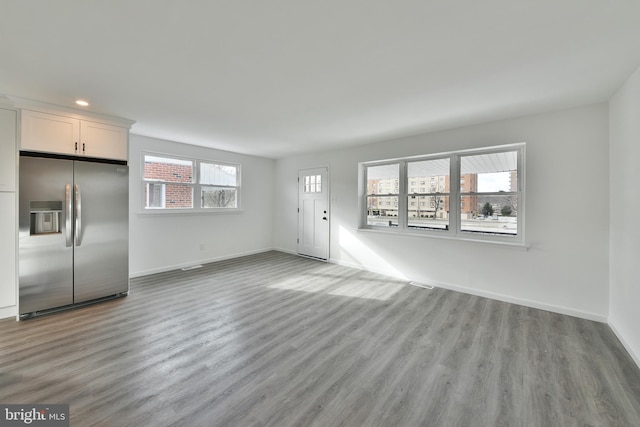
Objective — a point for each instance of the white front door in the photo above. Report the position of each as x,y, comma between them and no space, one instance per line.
313,213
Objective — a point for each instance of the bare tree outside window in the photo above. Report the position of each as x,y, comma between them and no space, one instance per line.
219,186
219,198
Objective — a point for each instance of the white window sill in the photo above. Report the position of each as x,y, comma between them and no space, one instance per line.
506,241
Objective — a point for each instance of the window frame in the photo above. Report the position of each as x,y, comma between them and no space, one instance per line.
397,205
454,230
200,185
428,193
196,186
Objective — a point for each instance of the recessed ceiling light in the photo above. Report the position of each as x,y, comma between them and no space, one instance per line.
82,103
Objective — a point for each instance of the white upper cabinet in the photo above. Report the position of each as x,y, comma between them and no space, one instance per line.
49,133
102,140
57,133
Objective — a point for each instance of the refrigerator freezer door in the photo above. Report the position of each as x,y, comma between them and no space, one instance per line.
46,262
101,252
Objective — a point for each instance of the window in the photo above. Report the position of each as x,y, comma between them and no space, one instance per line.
313,184
218,186
171,183
381,211
437,197
155,193
168,183
491,203
472,194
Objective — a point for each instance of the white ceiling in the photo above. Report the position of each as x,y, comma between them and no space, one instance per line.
279,77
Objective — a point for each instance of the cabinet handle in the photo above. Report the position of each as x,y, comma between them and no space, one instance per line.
76,145
83,147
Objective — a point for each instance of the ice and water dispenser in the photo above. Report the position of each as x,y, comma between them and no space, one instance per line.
46,217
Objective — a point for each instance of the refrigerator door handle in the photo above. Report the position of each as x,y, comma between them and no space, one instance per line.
78,230
69,201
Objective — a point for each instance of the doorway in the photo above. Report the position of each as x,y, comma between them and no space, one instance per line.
313,212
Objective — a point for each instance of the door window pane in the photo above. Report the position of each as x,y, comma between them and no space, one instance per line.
313,184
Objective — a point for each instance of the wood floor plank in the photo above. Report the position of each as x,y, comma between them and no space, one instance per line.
278,340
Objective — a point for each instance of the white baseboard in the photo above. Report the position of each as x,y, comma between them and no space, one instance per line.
394,274
525,302
499,297
6,312
141,273
635,356
286,251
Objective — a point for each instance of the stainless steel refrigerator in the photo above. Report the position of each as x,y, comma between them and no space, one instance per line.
73,238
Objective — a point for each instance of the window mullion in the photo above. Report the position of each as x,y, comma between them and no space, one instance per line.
454,198
197,190
403,211
364,212
520,192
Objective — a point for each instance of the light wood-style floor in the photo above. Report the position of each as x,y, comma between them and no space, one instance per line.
278,340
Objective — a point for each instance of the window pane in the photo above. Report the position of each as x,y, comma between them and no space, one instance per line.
383,179
168,196
489,214
492,172
167,169
428,212
382,211
313,184
219,197
154,195
214,174
428,176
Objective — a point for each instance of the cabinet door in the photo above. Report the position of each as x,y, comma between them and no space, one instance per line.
7,250
104,141
49,133
8,125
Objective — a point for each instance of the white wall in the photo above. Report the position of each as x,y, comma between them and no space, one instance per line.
165,242
566,267
624,305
